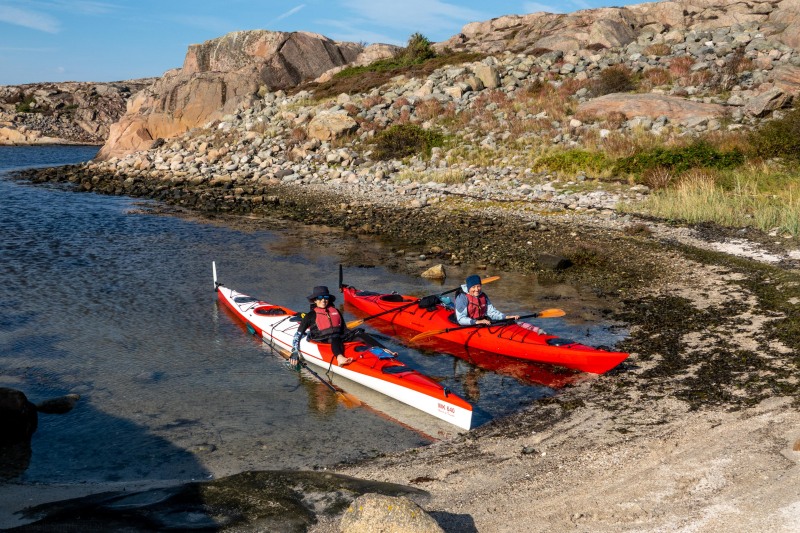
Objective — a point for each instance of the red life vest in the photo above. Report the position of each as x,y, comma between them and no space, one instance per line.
477,307
328,320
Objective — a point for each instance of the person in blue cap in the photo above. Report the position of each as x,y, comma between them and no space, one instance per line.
473,306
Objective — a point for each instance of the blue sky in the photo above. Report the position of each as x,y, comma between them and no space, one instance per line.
112,40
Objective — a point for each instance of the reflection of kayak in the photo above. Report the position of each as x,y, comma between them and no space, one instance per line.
508,339
372,366
526,372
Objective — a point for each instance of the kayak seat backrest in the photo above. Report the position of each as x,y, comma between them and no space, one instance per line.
367,293
429,302
270,311
395,369
452,318
559,342
392,298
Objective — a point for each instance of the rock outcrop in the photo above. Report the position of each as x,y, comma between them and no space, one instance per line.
63,113
220,76
618,26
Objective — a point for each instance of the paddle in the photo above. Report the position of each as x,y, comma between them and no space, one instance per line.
355,323
348,399
547,313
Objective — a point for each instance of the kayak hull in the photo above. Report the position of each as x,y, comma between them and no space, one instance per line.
372,367
510,340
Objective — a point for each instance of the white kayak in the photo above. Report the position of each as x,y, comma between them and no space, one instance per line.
373,367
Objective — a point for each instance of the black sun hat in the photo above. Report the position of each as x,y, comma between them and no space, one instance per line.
321,291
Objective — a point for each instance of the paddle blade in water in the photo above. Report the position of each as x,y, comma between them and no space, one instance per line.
551,313
349,400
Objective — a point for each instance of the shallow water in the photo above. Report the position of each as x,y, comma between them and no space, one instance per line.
104,298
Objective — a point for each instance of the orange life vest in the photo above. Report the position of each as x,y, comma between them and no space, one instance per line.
477,307
328,321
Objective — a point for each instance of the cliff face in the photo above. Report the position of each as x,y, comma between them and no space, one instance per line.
220,76
63,113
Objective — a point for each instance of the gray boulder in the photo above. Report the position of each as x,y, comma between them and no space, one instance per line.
376,513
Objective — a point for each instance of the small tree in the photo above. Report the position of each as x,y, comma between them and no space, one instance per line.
417,50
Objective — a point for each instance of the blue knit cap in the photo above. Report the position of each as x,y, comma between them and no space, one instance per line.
473,280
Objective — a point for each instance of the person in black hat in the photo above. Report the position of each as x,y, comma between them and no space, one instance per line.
326,325
473,306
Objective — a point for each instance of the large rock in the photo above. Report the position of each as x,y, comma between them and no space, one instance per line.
767,101
525,33
220,76
649,105
377,513
18,416
329,126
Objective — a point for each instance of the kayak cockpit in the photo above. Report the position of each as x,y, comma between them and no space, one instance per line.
271,310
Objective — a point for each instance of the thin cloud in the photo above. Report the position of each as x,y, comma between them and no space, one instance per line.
535,7
415,15
349,33
87,7
29,19
286,15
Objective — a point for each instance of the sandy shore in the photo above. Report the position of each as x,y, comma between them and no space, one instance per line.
598,471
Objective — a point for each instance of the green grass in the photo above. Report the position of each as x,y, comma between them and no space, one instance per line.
700,154
572,161
746,197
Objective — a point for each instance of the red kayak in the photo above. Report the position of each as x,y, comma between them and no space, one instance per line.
508,339
527,372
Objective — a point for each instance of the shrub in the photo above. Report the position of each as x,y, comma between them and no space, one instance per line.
613,80
778,138
657,76
660,49
361,79
681,66
403,140
615,119
417,50
657,177
573,161
699,154
596,47
429,109
26,104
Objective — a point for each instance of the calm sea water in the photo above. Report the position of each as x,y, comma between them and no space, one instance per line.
103,298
